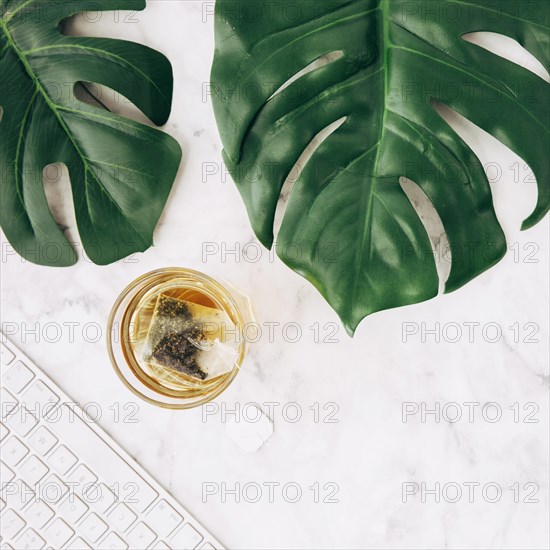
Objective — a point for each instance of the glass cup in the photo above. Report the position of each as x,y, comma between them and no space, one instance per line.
133,328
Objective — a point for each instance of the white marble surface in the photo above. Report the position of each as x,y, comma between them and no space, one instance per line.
369,452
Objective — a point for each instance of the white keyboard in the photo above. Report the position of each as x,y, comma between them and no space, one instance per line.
66,484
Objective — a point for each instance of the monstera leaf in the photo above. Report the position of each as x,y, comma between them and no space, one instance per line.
121,171
285,71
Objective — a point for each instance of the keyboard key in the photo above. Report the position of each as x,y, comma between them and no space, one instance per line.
11,524
104,461
17,494
52,490
160,545
8,402
92,527
30,540
207,546
72,509
82,479
38,514
39,395
3,431
62,459
21,420
163,519
42,440
13,451
141,536
6,475
2,504
33,470
187,538
6,356
17,377
100,497
122,517
114,542
58,533
79,544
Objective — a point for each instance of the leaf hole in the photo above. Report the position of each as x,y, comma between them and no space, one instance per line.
321,61
296,170
105,23
509,49
58,192
426,212
513,184
104,97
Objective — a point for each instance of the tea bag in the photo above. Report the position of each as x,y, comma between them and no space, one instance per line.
192,339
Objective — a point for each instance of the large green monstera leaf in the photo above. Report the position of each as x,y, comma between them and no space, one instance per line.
349,226
121,171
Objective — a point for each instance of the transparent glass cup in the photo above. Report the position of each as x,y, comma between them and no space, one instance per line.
130,321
